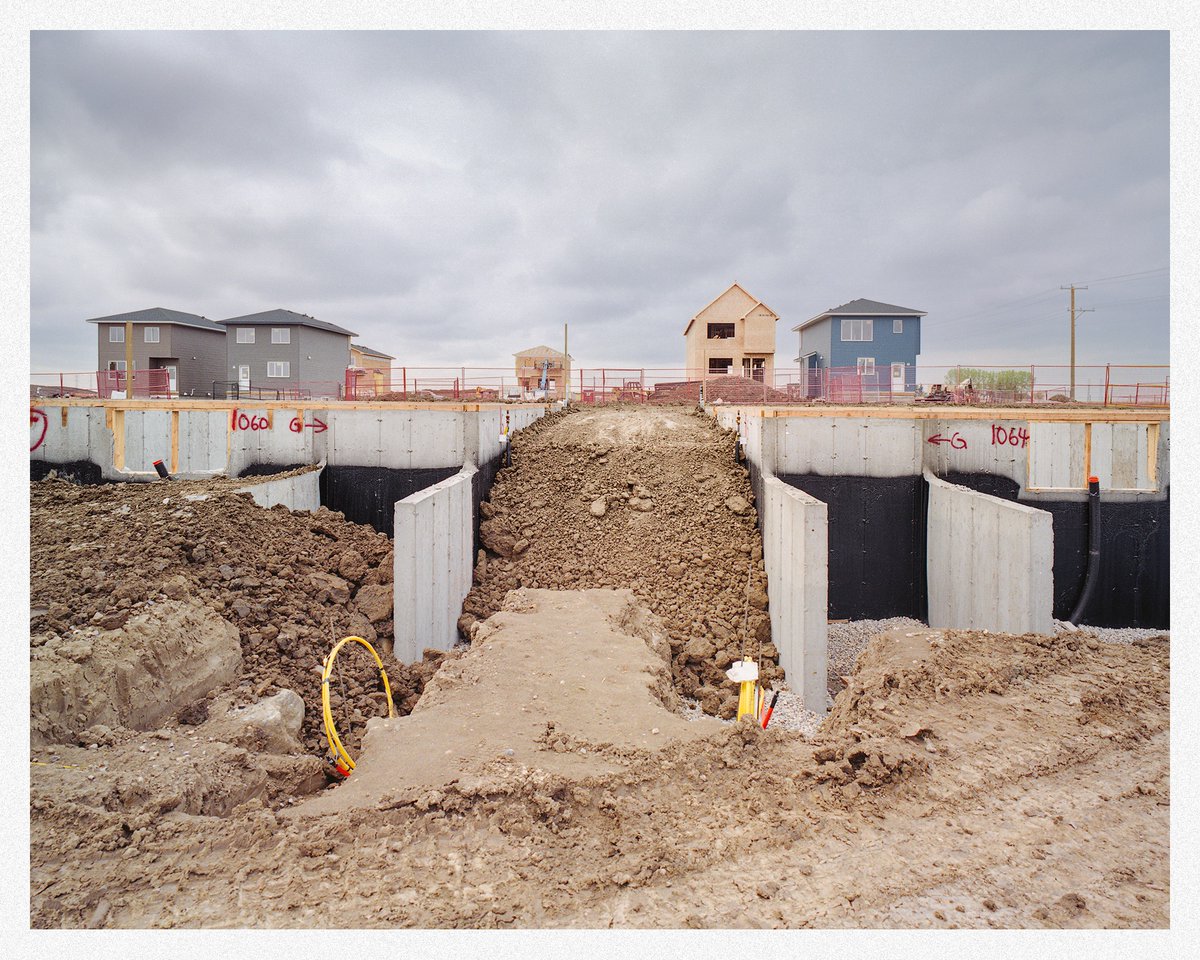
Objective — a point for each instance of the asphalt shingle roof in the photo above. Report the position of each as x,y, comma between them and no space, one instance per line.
161,315
370,352
860,308
283,317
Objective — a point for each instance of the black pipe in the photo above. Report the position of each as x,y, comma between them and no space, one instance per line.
1093,564
161,469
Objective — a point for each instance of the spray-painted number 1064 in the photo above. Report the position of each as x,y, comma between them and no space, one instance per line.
1012,436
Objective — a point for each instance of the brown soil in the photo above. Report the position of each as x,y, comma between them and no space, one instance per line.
963,779
678,529
288,582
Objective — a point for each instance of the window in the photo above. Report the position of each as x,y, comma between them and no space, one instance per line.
116,364
857,328
279,368
281,335
866,366
245,334
116,334
150,334
719,365
898,325
720,331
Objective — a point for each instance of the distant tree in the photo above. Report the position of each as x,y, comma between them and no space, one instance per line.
990,379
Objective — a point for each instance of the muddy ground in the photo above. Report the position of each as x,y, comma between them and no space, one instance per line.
962,779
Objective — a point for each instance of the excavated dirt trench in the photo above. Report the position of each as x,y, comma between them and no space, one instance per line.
962,779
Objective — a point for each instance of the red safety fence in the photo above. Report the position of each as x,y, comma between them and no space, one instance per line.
145,384
1107,385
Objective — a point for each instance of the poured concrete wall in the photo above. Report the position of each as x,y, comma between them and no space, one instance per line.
434,559
795,554
302,492
203,439
989,562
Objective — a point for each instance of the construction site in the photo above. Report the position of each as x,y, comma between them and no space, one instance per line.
691,663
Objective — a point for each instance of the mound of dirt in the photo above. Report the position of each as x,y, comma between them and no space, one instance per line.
548,677
647,499
173,654
289,583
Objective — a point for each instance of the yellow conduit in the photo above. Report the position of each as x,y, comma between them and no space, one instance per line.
335,742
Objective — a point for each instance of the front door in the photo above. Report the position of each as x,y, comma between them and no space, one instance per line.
897,378
173,380
244,377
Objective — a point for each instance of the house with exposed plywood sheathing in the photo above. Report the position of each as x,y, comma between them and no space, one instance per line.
734,335
530,365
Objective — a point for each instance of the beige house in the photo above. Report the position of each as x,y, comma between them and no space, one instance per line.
532,363
734,335
372,368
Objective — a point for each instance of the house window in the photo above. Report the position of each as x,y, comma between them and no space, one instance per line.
245,334
150,334
116,365
116,334
857,328
279,368
866,366
281,335
898,325
720,331
719,365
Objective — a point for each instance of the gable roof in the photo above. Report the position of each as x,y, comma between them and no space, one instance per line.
863,308
540,351
733,286
161,315
368,352
281,317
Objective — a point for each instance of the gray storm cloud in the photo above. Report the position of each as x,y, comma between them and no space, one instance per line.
456,197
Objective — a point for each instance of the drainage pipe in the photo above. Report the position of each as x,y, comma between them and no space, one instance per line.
1093,564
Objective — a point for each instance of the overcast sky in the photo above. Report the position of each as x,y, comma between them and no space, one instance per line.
455,197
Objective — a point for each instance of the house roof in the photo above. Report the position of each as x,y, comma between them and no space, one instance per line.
161,315
368,352
753,306
863,308
281,317
540,351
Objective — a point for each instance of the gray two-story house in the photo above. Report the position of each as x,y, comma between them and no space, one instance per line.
189,347
872,342
286,353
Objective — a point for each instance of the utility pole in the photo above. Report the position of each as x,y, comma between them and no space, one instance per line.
566,370
128,359
1073,288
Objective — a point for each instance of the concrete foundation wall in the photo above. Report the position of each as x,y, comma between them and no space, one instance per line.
203,440
796,556
989,562
434,560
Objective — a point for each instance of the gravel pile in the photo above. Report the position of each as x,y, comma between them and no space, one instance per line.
848,640
1111,634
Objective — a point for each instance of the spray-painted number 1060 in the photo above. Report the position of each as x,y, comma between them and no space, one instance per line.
1013,437
243,422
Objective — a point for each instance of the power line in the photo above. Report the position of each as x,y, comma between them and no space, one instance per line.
1140,275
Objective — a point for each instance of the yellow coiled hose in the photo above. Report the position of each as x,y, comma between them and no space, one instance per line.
341,758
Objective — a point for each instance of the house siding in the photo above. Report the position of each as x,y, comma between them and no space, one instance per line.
177,344
257,354
330,353
208,347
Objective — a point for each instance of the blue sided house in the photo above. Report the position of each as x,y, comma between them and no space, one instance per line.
878,342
